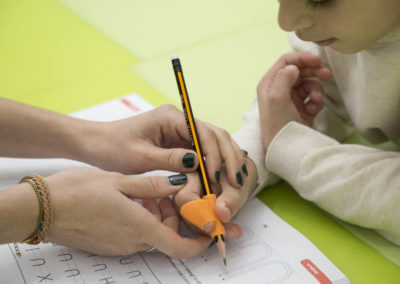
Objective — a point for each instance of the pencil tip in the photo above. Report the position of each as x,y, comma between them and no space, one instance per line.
222,249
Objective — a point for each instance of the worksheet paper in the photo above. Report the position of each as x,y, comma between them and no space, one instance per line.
270,250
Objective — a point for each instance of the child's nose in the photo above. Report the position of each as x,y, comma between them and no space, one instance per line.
293,17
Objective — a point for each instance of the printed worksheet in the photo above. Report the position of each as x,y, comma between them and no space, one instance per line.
270,250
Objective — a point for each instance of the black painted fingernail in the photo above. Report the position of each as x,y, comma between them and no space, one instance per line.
239,178
177,179
188,160
245,152
212,243
244,169
217,176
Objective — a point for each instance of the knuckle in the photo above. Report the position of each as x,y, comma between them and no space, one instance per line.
225,134
232,200
154,184
172,157
168,109
221,133
284,56
205,129
165,112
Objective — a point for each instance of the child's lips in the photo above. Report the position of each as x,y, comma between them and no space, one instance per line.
325,42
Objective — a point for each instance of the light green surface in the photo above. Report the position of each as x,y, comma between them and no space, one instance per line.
220,75
54,59
374,240
356,259
43,47
225,47
155,28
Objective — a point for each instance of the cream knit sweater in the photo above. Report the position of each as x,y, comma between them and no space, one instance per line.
355,183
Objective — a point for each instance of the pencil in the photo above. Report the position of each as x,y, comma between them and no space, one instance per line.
194,137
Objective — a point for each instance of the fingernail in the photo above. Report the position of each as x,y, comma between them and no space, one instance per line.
177,179
217,176
244,168
188,160
239,178
291,67
247,153
212,243
209,227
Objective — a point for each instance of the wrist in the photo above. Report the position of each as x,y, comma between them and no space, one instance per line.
88,137
20,213
251,180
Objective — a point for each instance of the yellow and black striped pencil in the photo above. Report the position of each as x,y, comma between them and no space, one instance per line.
194,136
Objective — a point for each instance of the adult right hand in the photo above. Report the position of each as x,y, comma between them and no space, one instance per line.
159,140
96,211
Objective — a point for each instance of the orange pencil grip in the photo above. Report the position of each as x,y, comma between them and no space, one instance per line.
201,212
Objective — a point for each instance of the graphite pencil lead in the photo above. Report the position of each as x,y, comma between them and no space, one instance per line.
221,249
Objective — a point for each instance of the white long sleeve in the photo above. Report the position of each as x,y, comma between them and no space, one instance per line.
355,183
249,138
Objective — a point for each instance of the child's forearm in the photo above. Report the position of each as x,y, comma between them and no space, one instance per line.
19,213
27,131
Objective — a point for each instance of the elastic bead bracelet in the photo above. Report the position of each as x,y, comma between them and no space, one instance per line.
40,187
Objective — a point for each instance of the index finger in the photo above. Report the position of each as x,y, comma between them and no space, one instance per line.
303,60
151,187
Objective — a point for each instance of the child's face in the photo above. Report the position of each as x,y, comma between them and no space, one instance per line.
346,26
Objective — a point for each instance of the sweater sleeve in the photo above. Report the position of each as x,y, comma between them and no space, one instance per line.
345,180
249,138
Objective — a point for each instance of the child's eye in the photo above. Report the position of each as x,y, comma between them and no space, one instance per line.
315,4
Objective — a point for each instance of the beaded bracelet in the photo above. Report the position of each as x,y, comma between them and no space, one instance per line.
40,187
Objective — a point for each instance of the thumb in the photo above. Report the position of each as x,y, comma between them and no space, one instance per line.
151,187
284,81
173,160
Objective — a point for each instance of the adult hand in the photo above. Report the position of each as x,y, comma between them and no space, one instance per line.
96,211
159,140
286,93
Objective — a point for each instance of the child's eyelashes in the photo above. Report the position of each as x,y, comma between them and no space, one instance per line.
315,4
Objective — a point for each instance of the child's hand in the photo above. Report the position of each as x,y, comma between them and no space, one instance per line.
229,201
286,93
232,199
